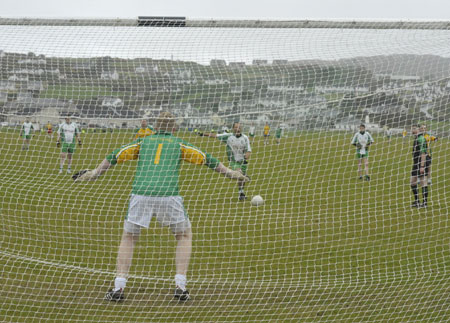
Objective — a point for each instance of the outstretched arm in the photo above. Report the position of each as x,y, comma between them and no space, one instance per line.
103,167
195,156
92,175
232,174
207,134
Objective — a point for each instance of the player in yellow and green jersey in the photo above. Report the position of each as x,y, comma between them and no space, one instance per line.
266,133
49,129
144,131
429,138
155,192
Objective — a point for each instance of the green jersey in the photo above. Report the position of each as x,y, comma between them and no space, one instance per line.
419,147
159,158
278,132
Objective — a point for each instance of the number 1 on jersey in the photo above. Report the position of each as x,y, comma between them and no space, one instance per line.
158,154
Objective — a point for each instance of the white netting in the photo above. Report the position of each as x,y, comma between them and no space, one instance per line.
325,246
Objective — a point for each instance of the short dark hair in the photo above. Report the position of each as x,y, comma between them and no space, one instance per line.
362,125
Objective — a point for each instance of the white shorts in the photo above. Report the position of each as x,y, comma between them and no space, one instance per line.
169,211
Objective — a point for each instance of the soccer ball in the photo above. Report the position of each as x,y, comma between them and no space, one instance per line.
257,200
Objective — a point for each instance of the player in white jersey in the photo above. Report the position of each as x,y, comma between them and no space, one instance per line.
67,133
251,133
362,140
238,152
26,133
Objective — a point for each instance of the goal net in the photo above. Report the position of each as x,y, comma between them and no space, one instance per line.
338,237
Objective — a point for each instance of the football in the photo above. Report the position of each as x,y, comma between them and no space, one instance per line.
257,200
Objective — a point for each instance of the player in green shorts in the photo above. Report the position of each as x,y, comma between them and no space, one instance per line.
26,133
67,133
155,192
278,133
238,152
251,133
362,140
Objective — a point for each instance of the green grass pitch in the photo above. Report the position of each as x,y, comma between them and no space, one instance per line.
325,247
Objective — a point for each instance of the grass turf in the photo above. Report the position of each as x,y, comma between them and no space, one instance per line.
324,246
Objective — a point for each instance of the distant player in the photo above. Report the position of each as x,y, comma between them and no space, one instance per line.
362,140
238,152
404,133
49,129
26,133
429,138
420,167
266,133
144,131
67,133
388,134
251,133
278,133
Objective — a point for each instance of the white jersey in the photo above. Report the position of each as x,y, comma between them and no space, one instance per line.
363,139
68,132
252,130
26,128
236,146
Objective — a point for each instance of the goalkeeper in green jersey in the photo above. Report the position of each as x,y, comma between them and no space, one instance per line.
155,192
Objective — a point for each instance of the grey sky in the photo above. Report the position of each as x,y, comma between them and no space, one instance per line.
236,44
202,45
254,9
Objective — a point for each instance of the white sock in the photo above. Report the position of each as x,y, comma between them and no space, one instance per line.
119,283
180,281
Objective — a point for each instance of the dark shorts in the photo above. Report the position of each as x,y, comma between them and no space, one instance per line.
415,172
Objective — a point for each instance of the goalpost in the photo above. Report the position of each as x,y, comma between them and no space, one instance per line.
325,246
